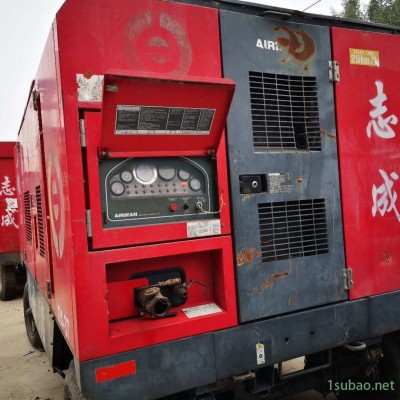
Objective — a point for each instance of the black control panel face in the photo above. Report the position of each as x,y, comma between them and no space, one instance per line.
143,191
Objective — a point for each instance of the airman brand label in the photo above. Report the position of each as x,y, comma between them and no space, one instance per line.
368,58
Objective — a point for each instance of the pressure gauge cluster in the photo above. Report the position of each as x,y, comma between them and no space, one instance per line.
158,188
157,177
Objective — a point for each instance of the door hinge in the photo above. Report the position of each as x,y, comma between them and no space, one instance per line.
82,130
89,223
334,72
348,278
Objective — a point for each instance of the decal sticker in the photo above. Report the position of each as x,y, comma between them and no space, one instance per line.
280,182
379,124
200,311
297,43
90,87
260,351
203,228
8,216
368,58
142,120
155,41
56,205
384,197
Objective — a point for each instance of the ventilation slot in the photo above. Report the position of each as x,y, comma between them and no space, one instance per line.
28,221
292,229
40,221
284,112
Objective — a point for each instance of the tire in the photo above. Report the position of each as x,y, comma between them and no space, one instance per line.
71,387
387,370
30,325
389,367
8,282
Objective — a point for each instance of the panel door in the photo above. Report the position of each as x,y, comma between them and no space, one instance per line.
367,104
283,166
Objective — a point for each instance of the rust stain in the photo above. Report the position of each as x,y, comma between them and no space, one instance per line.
245,256
328,135
269,283
299,181
299,45
280,275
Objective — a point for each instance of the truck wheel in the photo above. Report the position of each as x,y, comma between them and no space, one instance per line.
71,388
30,325
388,370
389,367
8,282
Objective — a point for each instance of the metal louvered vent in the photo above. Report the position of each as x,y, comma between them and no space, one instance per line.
28,221
284,111
40,221
292,229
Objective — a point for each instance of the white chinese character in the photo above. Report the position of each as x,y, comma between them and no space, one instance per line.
6,188
378,124
12,205
9,219
383,197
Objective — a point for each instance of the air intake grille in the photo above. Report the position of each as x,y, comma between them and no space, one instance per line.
292,229
284,112
28,221
40,220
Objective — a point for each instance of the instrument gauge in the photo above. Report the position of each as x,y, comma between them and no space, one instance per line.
126,176
195,185
117,188
183,175
145,173
166,173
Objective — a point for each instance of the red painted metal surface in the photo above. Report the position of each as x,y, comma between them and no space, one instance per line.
367,104
9,221
115,371
171,91
91,290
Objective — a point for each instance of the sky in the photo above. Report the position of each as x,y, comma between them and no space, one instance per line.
24,27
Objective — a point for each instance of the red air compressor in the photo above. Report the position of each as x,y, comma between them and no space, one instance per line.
11,272
182,222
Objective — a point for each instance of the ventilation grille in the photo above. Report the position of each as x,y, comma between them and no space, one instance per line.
284,112
40,221
28,221
292,229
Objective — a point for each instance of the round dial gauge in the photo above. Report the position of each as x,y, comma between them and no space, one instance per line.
117,188
145,173
195,185
166,173
126,176
183,175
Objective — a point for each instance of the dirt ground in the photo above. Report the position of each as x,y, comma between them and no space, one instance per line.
25,374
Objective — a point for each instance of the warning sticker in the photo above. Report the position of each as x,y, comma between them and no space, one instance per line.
260,350
204,228
144,120
200,311
280,182
368,58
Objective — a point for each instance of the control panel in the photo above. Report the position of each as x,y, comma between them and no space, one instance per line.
142,191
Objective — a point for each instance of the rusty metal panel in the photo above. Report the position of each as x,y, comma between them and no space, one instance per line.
283,166
367,100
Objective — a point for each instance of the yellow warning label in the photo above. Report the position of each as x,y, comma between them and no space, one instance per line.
368,58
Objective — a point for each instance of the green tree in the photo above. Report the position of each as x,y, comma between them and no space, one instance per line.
378,11
384,11
351,10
